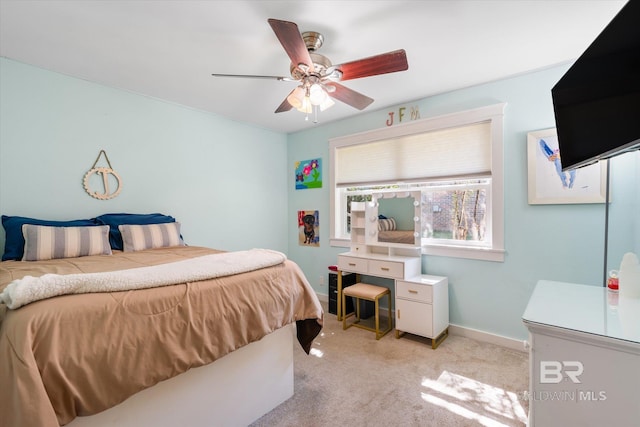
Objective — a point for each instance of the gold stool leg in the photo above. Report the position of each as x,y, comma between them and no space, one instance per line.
340,309
389,311
344,316
377,305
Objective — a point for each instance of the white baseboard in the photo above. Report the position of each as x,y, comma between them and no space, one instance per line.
323,297
476,334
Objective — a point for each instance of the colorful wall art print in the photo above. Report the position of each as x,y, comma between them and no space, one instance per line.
308,174
549,184
308,228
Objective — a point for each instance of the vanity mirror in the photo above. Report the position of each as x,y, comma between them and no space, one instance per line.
394,219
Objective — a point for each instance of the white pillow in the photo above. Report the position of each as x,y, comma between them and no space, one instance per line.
43,242
149,236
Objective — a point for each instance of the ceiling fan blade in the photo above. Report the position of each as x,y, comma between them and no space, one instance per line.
389,62
291,40
285,106
251,76
349,96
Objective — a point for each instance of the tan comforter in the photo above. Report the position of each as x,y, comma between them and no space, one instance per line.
77,355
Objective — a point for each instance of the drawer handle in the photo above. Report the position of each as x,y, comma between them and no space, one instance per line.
384,268
352,264
398,310
411,291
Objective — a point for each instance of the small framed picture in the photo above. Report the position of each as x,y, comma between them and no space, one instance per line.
308,228
308,174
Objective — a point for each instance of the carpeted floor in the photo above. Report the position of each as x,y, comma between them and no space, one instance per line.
351,379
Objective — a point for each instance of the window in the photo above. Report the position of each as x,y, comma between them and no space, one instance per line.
455,161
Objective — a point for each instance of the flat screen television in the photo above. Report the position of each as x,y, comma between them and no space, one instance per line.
597,101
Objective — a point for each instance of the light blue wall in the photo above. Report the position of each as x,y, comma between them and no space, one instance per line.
224,181
558,242
232,186
624,210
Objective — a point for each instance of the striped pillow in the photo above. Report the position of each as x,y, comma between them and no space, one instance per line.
44,242
149,236
387,224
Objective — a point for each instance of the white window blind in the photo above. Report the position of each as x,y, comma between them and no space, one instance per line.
452,152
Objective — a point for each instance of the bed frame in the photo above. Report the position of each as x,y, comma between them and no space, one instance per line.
235,390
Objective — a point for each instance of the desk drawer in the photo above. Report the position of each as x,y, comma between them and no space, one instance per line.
414,291
393,270
352,264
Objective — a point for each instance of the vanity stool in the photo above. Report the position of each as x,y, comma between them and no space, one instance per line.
370,293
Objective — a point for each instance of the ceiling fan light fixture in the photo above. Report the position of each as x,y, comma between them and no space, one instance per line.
317,94
327,103
296,98
306,106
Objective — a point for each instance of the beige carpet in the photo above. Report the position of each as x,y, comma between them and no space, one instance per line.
350,379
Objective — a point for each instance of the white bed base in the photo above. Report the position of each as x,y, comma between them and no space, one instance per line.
233,391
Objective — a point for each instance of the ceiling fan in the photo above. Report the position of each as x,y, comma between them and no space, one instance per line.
318,77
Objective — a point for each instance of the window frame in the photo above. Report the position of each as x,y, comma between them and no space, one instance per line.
492,113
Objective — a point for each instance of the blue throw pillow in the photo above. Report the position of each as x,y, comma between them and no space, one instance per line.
113,220
14,243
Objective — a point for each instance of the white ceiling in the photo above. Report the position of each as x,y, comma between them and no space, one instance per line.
168,49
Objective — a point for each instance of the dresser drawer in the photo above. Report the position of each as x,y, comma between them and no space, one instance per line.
414,291
394,270
352,264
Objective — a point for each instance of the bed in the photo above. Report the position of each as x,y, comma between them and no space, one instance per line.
213,351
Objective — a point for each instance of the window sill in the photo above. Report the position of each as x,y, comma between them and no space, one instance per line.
483,254
340,243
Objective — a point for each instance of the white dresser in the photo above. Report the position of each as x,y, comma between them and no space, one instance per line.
422,307
584,357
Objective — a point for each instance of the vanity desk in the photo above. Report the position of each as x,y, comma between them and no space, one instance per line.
372,256
421,301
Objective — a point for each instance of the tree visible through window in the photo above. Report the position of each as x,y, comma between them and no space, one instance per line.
455,214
